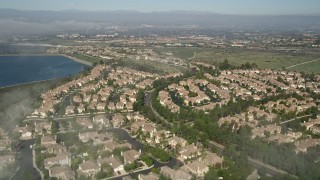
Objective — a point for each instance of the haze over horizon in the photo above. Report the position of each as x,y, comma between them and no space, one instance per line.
236,7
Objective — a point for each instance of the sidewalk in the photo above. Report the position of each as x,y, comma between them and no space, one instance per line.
34,164
122,175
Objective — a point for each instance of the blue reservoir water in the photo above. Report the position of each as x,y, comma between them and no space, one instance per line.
23,69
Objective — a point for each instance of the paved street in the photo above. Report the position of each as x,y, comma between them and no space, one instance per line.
26,162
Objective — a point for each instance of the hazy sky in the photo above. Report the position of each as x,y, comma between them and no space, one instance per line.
253,7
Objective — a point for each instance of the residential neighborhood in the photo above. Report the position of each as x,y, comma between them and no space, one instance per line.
93,127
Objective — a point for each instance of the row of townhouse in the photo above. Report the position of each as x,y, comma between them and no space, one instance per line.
54,96
165,100
196,161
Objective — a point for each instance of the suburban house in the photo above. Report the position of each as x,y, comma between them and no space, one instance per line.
86,136
25,132
61,172
211,159
118,120
60,159
113,161
101,106
271,129
84,122
188,152
48,139
97,138
101,120
55,148
111,106
303,145
70,110
313,125
42,127
150,176
197,168
130,156
173,141
175,174
81,108
160,135
88,168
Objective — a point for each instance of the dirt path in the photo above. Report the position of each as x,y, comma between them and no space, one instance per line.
299,64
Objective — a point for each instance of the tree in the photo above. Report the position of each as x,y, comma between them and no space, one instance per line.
139,104
101,175
145,158
130,167
54,127
75,163
211,174
158,153
155,170
108,169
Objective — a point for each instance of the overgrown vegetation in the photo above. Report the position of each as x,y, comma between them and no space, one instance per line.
158,153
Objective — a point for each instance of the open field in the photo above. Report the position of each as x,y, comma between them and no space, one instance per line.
308,68
264,59
183,53
87,58
149,66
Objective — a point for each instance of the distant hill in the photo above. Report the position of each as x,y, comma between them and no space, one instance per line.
16,21
160,18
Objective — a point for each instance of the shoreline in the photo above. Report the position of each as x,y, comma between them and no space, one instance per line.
63,55
32,82
75,59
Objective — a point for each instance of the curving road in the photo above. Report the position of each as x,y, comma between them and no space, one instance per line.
173,163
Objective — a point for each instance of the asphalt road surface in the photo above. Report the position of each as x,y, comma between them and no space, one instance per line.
26,163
